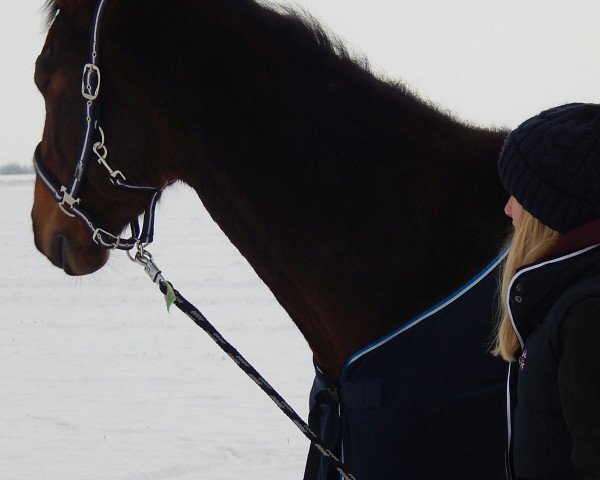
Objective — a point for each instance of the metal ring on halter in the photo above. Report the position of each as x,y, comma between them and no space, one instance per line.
132,258
100,150
141,254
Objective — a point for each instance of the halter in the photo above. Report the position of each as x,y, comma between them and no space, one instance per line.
67,198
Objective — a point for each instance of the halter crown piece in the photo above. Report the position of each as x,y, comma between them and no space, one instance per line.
67,198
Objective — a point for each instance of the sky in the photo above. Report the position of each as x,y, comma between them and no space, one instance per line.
490,63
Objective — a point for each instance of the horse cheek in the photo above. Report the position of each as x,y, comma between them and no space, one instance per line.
44,216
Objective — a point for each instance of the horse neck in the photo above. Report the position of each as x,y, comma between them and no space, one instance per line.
356,204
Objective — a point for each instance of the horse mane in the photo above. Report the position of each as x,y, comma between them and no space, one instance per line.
305,36
308,27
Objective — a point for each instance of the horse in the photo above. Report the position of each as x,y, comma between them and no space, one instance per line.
357,203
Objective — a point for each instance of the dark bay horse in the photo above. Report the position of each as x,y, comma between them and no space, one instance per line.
358,204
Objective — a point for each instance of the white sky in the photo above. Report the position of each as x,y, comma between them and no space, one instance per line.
492,63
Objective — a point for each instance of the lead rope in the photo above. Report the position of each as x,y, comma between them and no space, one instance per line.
172,296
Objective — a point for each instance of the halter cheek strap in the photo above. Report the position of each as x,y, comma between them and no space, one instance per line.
68,197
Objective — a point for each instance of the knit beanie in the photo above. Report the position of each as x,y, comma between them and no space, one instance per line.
551,165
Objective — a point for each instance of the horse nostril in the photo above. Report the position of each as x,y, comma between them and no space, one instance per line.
57,254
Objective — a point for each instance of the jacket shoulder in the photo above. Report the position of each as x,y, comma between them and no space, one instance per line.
577,308
581,322
580,296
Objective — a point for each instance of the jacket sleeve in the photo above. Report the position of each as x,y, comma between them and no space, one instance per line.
579,384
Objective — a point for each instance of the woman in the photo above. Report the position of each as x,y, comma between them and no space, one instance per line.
550,319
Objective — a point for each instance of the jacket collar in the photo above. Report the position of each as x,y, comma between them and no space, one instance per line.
576,239
535,288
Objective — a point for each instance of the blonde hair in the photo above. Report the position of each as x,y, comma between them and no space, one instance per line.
530,241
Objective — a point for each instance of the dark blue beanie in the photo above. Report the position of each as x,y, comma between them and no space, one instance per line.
551,165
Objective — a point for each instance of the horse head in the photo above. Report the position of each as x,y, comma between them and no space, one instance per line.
68,242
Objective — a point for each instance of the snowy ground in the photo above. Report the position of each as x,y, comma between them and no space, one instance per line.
98,381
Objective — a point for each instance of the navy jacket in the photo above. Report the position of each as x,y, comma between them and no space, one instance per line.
554,388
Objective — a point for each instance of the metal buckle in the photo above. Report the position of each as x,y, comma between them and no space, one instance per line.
69,200
89,71
99,231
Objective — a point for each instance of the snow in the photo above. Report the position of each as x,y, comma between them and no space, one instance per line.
98,381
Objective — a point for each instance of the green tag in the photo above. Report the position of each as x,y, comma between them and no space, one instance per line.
169,297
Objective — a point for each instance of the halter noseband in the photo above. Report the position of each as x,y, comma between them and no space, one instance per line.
67,198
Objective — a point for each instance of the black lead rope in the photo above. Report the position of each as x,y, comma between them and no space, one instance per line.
172,296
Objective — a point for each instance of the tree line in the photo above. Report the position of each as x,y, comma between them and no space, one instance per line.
15,169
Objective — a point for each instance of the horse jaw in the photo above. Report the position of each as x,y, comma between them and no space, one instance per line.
62,239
